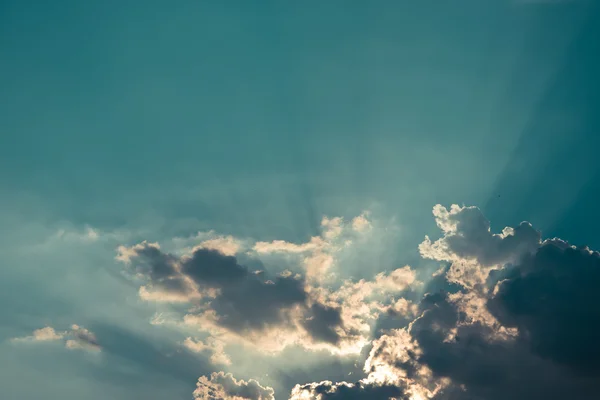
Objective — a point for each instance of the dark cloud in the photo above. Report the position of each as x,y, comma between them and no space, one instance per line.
551,297
321,322
160,269
242,301
468,236
544,294
529,333
510,316
214,269
348,391
481,366
253,304
155,263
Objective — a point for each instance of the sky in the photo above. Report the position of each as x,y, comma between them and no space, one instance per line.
299,200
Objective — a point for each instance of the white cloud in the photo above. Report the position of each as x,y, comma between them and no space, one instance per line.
124,253
42,335
222,386
215,347
275,246
361,223
320,253
210,240
227,245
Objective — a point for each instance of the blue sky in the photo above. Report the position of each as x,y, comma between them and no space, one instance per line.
129,121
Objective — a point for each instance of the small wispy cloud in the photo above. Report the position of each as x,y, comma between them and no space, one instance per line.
46,334
76,338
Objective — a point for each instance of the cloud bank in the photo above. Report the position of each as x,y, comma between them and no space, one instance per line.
515,317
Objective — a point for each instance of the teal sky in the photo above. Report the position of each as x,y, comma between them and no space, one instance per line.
149,120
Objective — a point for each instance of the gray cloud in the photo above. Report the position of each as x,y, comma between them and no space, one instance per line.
515,317
231,296
529,333
328,390
480,365
321,322
468,237
246,301
551,298
234,304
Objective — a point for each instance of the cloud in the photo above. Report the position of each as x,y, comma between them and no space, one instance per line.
45,334
520,323
361,223
222,386
161,271
319,253
210,240
515,318
213,346
468,237
231,302
328,390
550,298
82,338
470,246
228,297
76,338
227,245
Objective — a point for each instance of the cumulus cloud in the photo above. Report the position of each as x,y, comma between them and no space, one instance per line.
271,311
549,297
520,324
467,236
515,317
470,246
232,302
75,338
222,386
228,297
